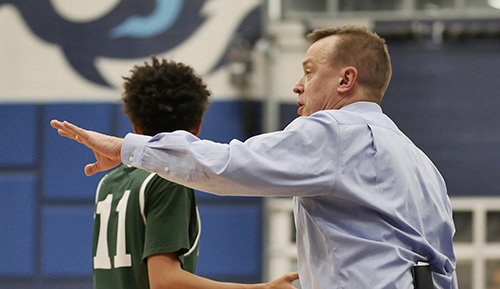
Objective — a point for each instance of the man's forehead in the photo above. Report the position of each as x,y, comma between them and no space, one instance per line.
318,52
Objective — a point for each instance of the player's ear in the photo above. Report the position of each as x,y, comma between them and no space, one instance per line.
137,130
197,130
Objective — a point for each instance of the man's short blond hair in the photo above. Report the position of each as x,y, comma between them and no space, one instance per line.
366,51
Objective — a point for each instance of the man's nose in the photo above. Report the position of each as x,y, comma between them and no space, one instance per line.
298,88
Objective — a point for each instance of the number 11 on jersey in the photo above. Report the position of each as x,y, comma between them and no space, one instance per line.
102,259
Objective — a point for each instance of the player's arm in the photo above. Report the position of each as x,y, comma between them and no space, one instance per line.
165,272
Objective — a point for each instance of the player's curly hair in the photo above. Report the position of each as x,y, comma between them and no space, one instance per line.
164,96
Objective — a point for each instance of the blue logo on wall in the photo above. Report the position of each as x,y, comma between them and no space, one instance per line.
132,29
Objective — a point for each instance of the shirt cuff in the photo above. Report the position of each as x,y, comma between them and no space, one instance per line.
133,148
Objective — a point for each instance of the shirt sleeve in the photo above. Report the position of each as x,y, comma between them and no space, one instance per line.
300,160
168,211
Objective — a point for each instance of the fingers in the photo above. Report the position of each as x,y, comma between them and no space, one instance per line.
73,128
74,132
65,129
66,134
69,130
56,124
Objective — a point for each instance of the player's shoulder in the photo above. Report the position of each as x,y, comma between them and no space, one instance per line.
156,180
127,174
156,188
131,171
136,177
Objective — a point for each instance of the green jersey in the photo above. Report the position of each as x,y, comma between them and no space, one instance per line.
139,214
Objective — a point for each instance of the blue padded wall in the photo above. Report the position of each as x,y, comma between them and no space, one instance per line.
19,135
67,241
230,245
224,121
124,125
17,222
450,111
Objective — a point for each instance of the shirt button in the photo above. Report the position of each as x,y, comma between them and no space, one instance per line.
131,158
166,169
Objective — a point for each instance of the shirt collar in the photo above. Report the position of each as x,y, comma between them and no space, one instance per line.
363,106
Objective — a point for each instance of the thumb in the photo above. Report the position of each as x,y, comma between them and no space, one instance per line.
91,169
292,276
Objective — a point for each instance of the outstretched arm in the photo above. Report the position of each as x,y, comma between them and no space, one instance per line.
165,272
107,149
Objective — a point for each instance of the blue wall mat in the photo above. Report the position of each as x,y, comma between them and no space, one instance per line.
18,124
288,112
66,283
17,223
223,122
450,111
230,244
64,159
67,241
124,125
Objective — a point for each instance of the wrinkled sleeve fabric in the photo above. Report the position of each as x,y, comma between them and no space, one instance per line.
291,162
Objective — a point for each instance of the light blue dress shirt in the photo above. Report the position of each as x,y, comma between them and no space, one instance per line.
368,204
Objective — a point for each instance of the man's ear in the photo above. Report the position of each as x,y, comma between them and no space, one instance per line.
349,77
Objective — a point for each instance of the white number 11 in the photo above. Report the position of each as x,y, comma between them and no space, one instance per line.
102,259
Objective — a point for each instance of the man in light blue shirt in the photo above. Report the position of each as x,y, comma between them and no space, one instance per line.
368,204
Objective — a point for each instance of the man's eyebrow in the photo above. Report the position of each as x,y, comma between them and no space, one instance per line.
306,62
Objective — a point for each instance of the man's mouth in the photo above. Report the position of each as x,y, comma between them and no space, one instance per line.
301,106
